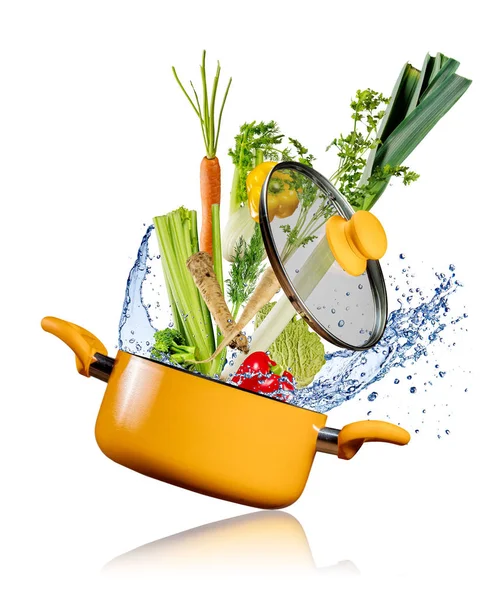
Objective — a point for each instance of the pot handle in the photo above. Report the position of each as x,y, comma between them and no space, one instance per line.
83,343
352,436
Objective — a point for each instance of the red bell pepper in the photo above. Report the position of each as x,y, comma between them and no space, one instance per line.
259,373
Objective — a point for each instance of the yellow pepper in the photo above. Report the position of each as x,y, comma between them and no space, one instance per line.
282,199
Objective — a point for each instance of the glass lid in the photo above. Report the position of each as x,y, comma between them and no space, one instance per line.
348,311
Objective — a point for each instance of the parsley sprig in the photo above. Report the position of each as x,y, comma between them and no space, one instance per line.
255,143
352,149
368,111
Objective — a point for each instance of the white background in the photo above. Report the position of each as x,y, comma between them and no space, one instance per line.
95,140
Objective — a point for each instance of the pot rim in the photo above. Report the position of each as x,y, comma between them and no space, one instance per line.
211,380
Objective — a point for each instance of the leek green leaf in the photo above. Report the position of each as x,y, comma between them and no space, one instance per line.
422,82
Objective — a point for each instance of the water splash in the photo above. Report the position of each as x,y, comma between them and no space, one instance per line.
416,323
409,332
135,326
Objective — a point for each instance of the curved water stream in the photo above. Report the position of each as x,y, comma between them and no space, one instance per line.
416,322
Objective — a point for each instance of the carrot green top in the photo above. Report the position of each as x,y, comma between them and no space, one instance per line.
206,110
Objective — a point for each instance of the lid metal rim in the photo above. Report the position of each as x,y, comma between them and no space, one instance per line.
373,269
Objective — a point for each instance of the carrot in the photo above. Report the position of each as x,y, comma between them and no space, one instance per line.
209,167
210,194
201,269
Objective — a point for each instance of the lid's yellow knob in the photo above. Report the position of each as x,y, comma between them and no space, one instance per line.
355,241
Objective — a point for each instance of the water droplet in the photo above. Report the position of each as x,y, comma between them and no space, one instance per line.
442,373
402,256
424,411
396,382
368,413
360,286
372,397
409,377
297,270
332,310
447,432
417,430
451,267
348,293
341,323
413,390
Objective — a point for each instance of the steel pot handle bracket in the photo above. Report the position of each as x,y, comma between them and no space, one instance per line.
345,442
91,354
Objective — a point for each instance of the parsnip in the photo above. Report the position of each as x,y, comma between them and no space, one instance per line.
201,269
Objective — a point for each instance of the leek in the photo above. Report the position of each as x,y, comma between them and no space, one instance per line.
418,101
412,112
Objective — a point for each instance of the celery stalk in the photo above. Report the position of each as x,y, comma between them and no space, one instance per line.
219,274
194,249
176,233
234,203
259,157
178,322
217,245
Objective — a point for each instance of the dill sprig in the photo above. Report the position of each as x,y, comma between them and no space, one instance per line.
246,267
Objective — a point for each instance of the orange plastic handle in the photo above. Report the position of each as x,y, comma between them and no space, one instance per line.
353,436
355,241
83,343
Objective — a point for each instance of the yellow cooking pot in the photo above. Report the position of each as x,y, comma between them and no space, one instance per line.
205,435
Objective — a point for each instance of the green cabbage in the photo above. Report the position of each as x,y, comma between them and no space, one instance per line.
296,349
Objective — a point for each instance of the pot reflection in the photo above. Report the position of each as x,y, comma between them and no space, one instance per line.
260,541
